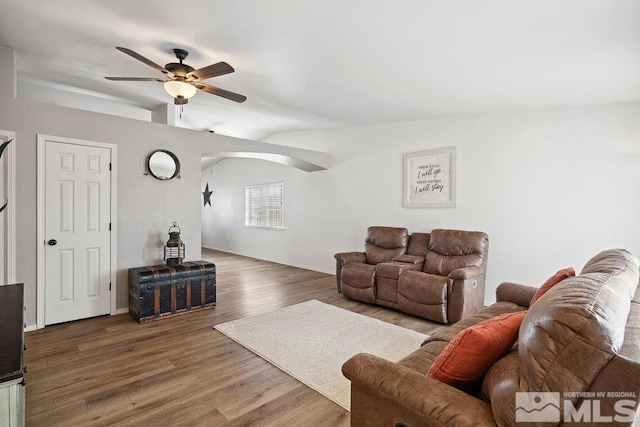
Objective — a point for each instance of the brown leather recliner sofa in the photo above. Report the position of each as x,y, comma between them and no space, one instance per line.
581,340
437,276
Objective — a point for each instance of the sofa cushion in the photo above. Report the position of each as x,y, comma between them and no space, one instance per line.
465,360
418,244
453,249
422,287
422,359
423,294
449,333
358,281
358,275
383,243
565,273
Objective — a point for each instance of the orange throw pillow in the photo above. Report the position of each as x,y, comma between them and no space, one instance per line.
565,273
467,358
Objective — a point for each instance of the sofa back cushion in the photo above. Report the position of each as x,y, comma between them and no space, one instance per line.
453,249
418,244
565,342
570,341
383,243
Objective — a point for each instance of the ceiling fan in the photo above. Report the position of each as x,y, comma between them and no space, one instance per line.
183,80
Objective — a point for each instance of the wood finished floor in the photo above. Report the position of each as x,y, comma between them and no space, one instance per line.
113,371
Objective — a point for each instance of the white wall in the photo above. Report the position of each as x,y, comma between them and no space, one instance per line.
146,206
551,188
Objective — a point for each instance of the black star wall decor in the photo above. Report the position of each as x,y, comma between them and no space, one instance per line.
207,195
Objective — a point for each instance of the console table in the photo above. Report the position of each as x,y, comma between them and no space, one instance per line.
161,291
12,369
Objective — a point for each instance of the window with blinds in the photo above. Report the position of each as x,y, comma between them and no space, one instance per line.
264,205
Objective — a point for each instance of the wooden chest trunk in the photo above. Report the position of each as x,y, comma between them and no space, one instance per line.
161,290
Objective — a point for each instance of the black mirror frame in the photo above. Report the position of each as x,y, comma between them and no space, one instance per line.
175,160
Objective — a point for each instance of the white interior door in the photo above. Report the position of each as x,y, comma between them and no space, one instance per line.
77,231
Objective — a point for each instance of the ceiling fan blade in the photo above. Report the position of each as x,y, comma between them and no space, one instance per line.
135,79
213,70
144,60
220,92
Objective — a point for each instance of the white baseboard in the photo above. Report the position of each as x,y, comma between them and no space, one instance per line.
306,267
34,327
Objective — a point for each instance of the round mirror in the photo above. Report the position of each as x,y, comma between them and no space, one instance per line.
163,164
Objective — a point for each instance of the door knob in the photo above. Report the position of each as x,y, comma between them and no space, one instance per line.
52,242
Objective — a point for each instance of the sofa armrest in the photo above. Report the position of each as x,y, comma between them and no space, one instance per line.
344,257
409,259
410,395
466,273
465,295
515,293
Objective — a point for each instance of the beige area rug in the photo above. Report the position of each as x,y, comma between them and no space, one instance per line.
311,340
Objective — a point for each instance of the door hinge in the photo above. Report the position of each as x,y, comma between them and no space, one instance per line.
109,286
109,226
109,166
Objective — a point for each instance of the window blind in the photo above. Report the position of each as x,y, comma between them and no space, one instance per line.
264,205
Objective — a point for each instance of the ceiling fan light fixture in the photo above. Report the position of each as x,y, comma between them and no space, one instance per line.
181,90
184,80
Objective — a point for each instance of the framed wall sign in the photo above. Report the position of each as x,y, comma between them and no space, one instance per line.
430,179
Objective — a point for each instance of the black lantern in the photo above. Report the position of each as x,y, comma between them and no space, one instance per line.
174,249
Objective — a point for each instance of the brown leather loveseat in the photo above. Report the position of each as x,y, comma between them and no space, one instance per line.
579,343
438,276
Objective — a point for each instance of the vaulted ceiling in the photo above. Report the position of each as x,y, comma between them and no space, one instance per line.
309,64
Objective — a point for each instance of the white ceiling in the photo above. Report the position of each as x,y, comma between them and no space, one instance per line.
309,64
